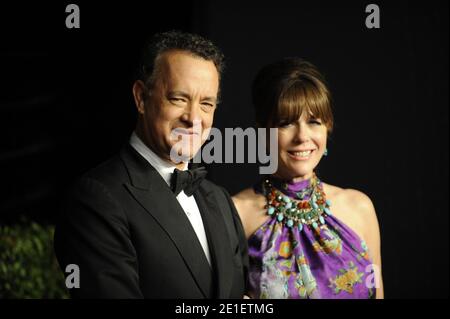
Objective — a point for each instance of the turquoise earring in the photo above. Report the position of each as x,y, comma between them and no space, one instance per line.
326,152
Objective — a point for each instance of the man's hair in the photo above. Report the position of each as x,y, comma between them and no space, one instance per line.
174,41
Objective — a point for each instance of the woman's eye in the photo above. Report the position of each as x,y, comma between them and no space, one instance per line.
315,121
285,124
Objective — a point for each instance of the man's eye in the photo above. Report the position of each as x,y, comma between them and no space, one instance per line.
176,100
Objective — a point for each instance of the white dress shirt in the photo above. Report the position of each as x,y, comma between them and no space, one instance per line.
188,203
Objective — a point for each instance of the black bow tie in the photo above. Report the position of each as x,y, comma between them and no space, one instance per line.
187,180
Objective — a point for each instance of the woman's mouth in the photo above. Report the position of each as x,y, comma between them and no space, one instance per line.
300,155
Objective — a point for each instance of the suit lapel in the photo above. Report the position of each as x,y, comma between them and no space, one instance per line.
219,243
153,194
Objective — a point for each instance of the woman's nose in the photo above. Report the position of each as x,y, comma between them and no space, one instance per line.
301,134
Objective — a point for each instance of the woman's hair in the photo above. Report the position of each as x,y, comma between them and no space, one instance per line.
283,90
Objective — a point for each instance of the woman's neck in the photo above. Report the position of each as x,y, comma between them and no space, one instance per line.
293,179
299,188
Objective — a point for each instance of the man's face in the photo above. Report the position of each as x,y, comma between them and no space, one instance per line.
181,104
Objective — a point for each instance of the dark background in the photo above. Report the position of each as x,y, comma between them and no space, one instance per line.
66,105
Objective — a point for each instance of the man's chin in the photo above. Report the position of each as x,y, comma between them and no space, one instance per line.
181,155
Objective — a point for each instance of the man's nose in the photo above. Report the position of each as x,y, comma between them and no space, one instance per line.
192,113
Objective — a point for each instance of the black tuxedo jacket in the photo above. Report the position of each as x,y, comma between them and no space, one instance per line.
124,228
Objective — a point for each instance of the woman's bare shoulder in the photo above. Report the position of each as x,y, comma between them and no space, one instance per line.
352,198
245,194
360,202
357,210
251,208
354,208
331,190
248,198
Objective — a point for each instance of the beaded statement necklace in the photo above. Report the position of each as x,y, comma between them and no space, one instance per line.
310,207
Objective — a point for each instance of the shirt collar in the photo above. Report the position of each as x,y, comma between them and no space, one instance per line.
164,168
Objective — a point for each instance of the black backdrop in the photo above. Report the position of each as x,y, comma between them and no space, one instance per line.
66,105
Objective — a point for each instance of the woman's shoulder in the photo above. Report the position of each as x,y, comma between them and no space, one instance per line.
354,208
251,208
248,198
350,197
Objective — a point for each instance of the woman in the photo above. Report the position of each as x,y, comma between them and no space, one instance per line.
307,239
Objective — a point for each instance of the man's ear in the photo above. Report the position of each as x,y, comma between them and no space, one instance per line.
139,92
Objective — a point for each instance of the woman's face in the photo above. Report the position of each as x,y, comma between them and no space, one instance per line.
301,145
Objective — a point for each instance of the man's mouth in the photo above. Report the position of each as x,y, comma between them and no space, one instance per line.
184,131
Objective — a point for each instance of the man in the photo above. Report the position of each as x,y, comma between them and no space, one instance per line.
141,225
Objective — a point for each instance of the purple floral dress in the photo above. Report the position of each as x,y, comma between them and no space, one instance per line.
328,262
